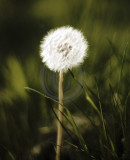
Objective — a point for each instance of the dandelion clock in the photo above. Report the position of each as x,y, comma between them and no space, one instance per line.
62,49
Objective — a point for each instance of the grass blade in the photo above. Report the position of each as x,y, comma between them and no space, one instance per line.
123,60
101,113
80,137
7,151
92,104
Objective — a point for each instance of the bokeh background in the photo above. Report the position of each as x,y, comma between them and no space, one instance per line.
27,121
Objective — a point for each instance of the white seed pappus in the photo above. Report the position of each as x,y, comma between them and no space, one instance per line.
63,48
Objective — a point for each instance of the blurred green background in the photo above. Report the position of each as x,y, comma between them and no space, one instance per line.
27,122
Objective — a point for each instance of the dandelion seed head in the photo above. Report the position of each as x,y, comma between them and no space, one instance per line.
63,48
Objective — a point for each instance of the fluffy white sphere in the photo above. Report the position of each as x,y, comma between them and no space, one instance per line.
63,48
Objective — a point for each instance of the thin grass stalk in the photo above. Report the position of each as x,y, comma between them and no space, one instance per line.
101,113
60,117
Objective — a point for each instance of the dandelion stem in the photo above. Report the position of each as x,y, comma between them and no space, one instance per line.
60,116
